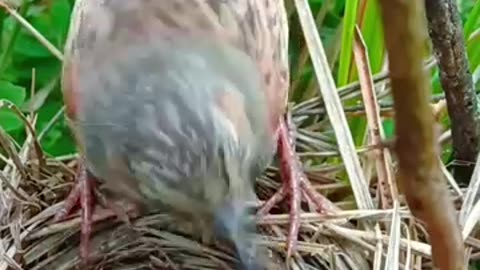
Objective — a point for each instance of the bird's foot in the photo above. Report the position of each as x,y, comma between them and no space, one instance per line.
85,194
295,185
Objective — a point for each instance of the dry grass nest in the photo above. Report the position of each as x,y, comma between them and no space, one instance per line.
33,192
35,185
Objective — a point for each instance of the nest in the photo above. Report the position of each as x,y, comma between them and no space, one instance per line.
34,187
32,240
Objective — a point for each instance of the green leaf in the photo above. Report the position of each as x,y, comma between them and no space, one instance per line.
349,22
8,44
436,84
13,93
60,15
45,70
389,127
27,45
473,19
9,121
58,140
372,30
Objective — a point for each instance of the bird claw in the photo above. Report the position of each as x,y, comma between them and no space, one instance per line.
85,193
295,184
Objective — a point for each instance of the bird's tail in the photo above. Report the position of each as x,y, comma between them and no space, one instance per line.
234,224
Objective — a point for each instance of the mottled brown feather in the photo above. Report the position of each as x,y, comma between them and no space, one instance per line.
259,27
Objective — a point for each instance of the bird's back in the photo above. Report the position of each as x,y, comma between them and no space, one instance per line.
257,27
122,54
164,117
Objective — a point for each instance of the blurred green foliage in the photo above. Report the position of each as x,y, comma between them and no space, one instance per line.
30,74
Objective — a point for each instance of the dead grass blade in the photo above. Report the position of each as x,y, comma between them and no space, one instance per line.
334,106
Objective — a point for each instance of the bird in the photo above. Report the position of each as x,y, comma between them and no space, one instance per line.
181,104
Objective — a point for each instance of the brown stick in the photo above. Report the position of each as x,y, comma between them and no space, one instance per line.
386,187
446,32
419,173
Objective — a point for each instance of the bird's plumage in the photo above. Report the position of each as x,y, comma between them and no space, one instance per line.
258,27
177,102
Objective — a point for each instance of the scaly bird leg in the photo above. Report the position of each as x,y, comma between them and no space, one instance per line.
295,183
84,192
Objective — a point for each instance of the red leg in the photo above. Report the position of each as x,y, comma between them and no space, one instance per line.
291,176
295,183
84,192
